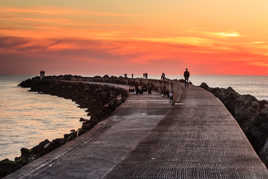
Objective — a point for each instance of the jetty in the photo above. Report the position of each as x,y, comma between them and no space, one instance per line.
148,138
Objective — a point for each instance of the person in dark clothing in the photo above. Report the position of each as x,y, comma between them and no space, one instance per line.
164,90
136,88
186,78
150,86
163,76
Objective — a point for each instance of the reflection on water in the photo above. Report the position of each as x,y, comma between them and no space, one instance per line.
27,118
253,85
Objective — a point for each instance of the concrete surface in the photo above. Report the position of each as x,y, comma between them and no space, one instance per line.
147,138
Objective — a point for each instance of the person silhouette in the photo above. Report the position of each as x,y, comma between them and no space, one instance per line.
186,78
163,76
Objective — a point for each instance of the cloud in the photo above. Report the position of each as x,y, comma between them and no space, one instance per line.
11,42
223,34
63,55
188,40
258,42
52,11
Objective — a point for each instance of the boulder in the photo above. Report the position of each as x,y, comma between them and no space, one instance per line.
39,149
57,142
7,166
25,153
203,85
83,119
264,153
70,136
81,131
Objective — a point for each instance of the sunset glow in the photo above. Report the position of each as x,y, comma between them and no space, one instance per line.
155,36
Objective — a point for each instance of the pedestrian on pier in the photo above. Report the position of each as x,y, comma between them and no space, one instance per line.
172,94
163,76
137,88
171,97
186,78
150,86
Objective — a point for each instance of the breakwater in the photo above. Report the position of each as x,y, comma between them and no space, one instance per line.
100,101
147,137
191,111
250,113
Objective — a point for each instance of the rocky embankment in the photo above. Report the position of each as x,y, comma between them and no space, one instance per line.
99,101
250,113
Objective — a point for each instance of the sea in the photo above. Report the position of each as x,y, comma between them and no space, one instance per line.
27,118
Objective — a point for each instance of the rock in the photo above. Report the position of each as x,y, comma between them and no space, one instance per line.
264,111
58,142
119,97
81,131
83,119
47,145
72,131
246,108
264,153
25,153
203,85
71,136
39,149
7,166
88,124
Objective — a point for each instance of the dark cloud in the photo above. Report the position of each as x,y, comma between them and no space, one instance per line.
89,48
11,42
30,59
28,56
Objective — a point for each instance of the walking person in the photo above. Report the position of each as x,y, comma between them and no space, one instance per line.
171,97
136,88
150,86
186,78
163,76
172,94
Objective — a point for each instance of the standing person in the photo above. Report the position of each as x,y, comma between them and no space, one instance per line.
150,86
136,88
171,94
171,97
164,90
163,76
186,77
140,89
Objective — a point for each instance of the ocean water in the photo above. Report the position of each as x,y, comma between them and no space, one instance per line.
27,118
253,85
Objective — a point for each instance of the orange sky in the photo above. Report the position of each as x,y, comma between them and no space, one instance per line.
117,37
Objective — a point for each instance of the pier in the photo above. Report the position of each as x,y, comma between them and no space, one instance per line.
148,138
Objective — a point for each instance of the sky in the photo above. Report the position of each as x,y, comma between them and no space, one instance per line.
210,37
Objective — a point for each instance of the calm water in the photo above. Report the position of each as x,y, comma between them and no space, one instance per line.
27,118
254,85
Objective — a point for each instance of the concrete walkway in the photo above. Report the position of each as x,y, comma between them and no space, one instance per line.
146,138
